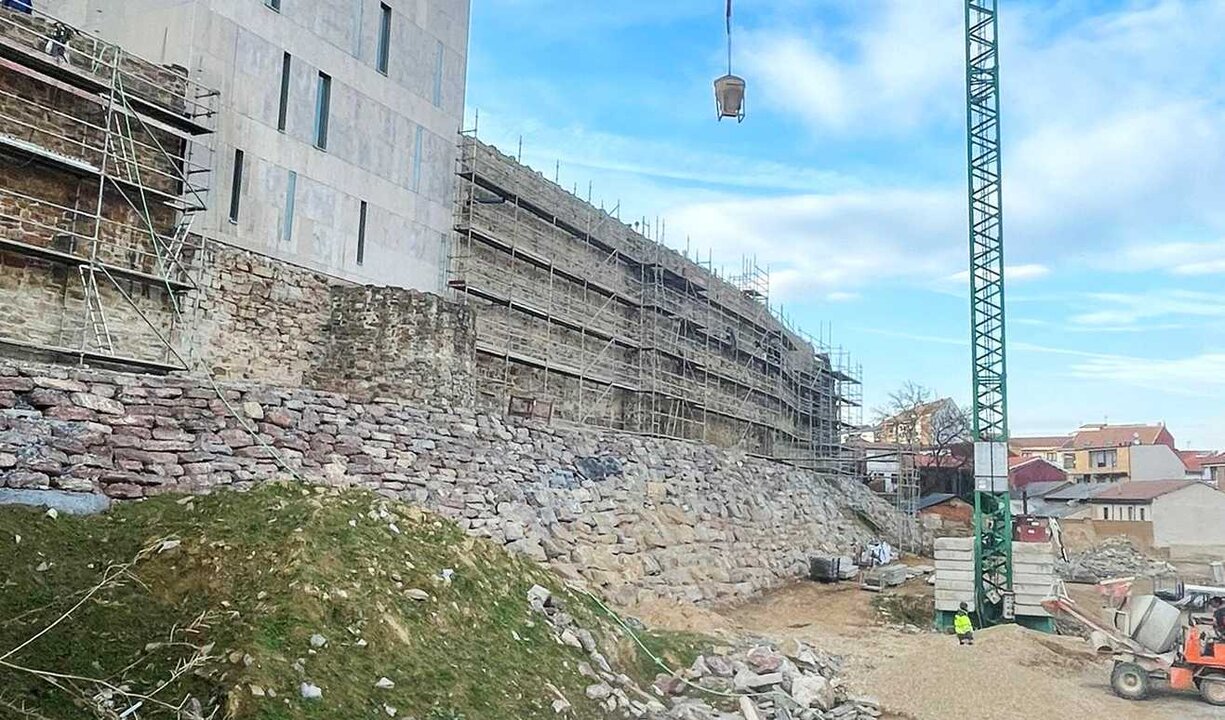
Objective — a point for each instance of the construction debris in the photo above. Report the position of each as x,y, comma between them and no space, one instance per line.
1113,558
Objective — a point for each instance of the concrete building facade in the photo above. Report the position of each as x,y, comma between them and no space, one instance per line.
1183,514
335,141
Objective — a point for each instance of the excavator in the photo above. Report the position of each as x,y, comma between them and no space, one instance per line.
1161,639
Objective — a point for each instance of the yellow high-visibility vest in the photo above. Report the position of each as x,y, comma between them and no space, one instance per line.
962,624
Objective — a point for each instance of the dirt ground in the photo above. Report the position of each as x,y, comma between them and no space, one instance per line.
1009,674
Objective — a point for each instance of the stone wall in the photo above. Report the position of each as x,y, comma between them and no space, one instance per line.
638,517
397,343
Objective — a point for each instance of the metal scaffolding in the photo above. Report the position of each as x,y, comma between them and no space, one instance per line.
128,141
618,330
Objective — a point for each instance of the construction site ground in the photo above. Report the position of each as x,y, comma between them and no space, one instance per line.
1008,674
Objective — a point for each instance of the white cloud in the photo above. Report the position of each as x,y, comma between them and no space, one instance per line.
1188,375
1187,259
832,243
1012,273
1122,310
897,66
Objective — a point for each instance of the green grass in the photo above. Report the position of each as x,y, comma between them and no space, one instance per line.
255,575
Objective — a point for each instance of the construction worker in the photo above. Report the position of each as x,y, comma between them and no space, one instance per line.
963,626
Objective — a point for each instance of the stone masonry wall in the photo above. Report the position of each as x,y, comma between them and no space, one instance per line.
637,517
398,343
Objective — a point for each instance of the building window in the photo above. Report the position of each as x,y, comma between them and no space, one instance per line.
361,235
273,5
438,76
1103,458
323,107
1131,512
418,141
384,49
1050,457
1142,518
236,186
291,190
1105,513
1069,461
282,112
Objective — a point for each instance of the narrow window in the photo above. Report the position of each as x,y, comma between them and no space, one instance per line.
384,50
236,186
361,235
273,4
323,105
438,77
1142,514
282,113
1131,512
287,223
417,143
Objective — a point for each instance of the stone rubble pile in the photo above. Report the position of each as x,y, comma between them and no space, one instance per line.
763,682
1115,557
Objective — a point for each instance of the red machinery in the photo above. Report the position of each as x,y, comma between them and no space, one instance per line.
1196,662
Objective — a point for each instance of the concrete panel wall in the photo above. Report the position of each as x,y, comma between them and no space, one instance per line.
1156,462
237,46
1191,517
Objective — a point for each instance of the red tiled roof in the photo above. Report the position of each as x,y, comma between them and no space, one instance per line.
1109,436
1140,490
1193,459
1212,460
1045,441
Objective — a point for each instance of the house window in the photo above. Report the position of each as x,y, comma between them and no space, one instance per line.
273,5
384,49
361,235
323,107
1142,518
1131,512
282,111
236,186
1050,457
291,190
438,76
1103,458
1069,461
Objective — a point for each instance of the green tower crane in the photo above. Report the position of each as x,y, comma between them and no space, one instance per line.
992,510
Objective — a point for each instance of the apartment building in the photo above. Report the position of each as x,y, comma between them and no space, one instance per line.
335,141
1101,453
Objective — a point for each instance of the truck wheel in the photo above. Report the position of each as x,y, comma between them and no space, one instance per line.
1129,681
1212,689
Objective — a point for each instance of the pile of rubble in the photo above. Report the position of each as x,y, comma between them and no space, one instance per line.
1113,558
761,683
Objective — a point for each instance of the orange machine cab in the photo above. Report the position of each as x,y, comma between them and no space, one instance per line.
1194,650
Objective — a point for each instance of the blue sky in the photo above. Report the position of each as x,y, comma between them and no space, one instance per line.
848,177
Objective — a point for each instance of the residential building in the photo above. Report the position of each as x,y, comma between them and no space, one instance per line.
1046,447
925,425
1182,513
1193,461
1024,471
1214,469
1099,453
946,514
336,141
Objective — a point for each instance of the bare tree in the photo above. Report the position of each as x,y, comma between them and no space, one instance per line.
950,427
900,419
916,420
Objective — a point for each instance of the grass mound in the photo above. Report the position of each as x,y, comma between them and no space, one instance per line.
231,605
